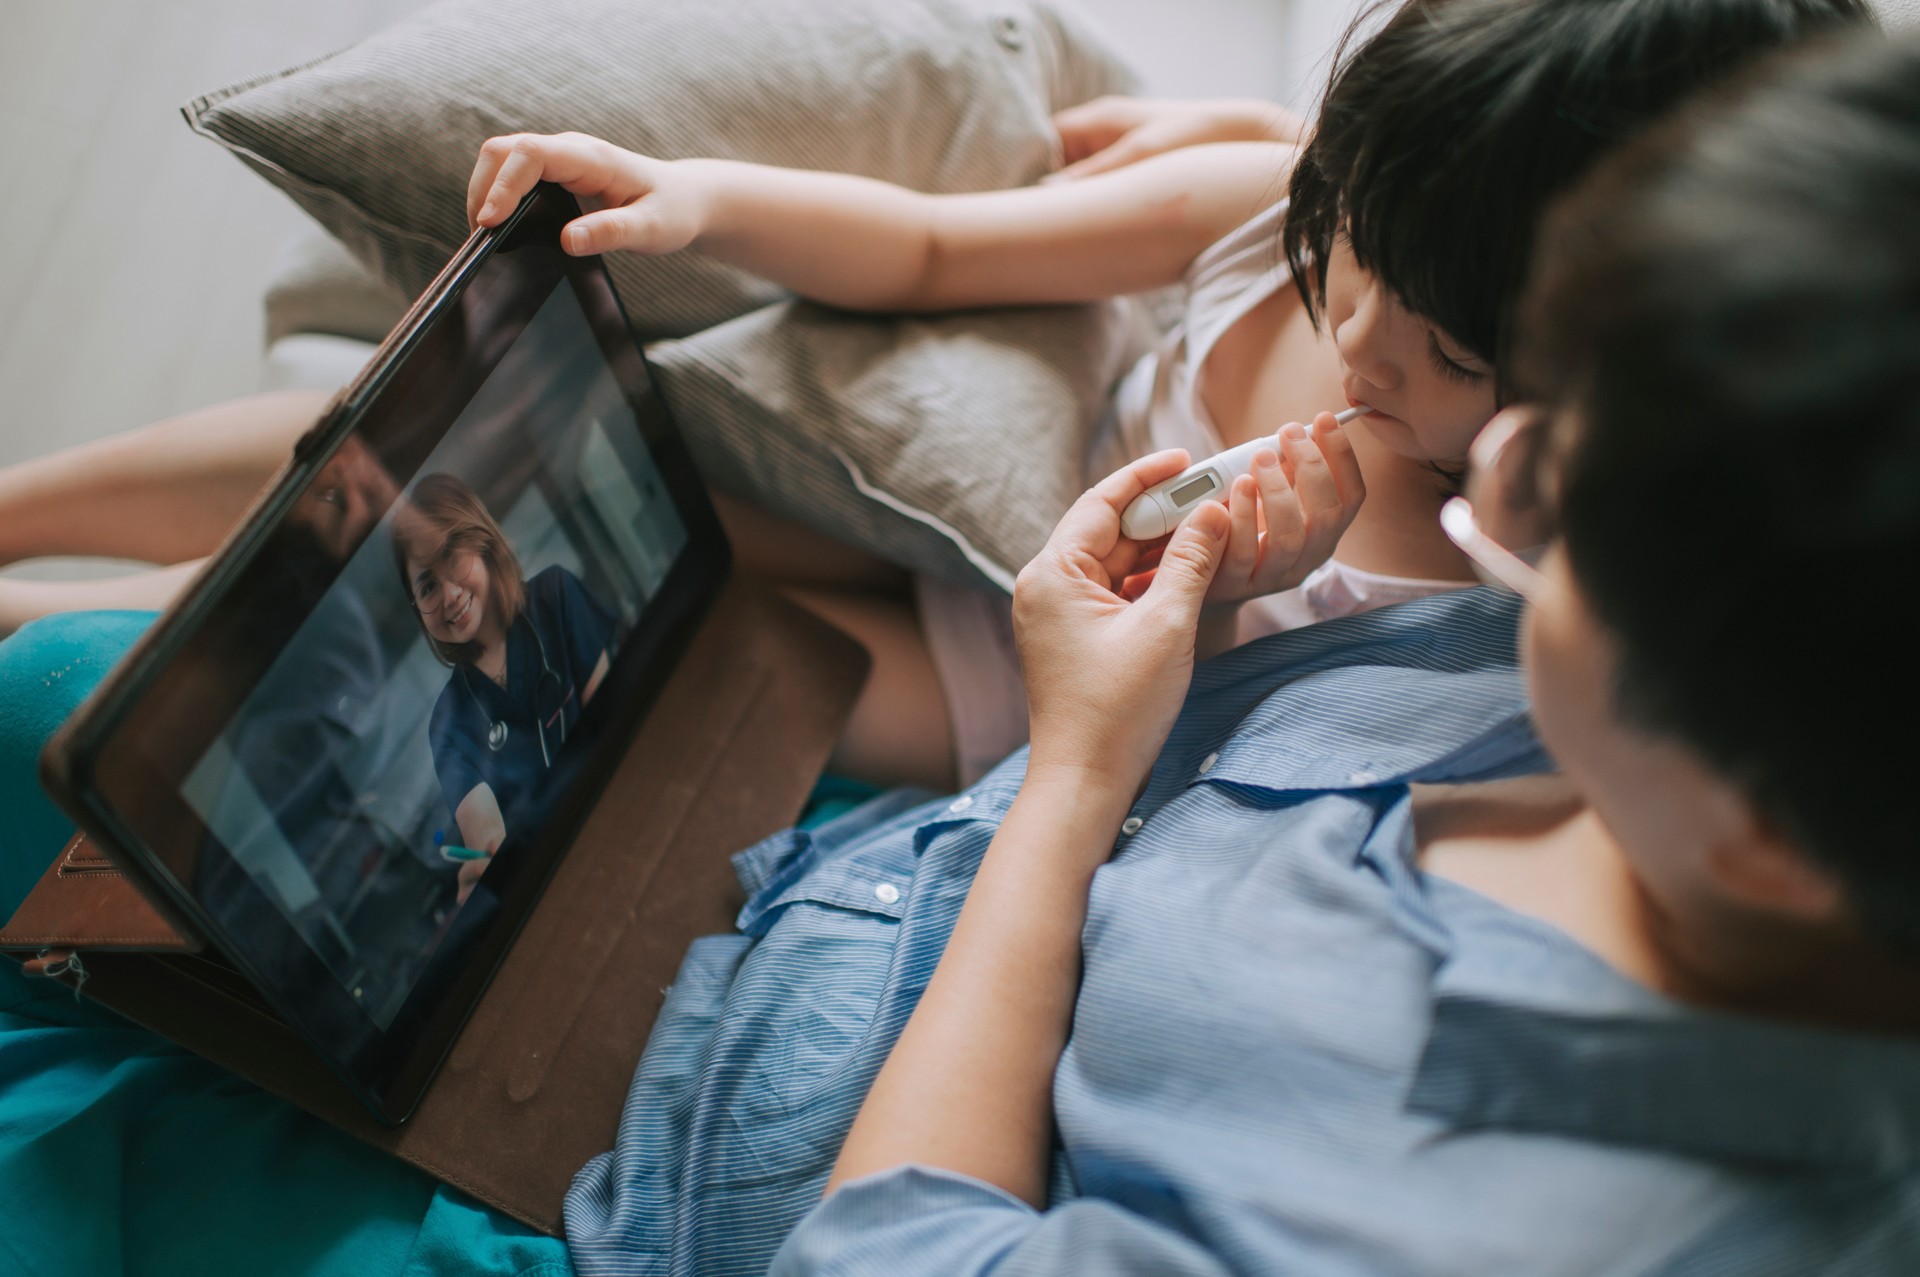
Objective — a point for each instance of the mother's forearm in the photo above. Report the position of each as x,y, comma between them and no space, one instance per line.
968,1087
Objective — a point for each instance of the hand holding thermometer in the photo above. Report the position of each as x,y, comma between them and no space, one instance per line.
1159,509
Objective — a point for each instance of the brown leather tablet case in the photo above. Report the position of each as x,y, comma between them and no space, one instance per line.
534,1084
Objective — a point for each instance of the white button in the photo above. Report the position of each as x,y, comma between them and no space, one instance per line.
1206,764
961,803
1131,825
1362,778
886,893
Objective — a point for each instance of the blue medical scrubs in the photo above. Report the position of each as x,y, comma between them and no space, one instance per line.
483,733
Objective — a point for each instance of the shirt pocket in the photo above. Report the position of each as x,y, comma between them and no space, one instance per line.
828,864
817,980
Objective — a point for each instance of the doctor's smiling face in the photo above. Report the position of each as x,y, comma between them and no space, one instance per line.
457,567
450,593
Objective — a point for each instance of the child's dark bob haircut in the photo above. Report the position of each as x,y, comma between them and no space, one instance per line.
1443,137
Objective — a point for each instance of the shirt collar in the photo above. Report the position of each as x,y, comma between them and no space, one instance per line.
1549,1040
1438,678
1688,1082
1534,1032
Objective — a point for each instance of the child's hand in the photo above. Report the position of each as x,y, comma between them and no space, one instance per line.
1287,516
1112,132
633,203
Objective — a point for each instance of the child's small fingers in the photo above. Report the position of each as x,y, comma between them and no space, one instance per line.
1286,529
486,167
520,169
1312,479
1337,450
601,232
1243,542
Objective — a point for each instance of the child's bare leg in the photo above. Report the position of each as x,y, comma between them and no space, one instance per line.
900,732
23,601
788,553
165,493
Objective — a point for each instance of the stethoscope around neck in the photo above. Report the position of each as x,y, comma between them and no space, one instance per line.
497,727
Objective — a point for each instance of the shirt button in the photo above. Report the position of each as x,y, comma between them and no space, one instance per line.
961,803
886,893
1131,825
1362,778
1206,764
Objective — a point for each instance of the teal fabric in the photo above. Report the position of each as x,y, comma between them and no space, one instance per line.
121,1153
833,797
46,670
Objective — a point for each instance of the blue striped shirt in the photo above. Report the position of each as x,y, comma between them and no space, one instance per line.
1292,1052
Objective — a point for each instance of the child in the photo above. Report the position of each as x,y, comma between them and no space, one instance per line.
1374,266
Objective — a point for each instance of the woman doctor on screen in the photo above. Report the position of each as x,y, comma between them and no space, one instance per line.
526,656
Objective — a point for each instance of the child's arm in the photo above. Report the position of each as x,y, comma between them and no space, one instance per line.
867,245
1112,132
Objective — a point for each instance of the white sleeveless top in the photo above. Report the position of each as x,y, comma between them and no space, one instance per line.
1157,405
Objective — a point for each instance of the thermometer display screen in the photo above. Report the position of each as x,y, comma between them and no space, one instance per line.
1194,489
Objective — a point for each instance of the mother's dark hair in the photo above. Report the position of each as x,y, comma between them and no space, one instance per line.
1444,136
1728,317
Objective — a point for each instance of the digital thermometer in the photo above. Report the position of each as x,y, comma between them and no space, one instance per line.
1159,509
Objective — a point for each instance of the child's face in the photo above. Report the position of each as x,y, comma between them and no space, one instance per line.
1429,396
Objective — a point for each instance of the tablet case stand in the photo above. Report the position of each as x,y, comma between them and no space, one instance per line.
534,1084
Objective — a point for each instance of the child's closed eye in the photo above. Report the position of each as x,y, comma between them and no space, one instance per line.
1451,369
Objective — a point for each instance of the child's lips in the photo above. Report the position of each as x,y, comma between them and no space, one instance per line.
1375,415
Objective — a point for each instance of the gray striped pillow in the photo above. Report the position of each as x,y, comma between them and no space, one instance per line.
377,142
951,444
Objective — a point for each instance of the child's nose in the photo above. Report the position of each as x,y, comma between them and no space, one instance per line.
1362,340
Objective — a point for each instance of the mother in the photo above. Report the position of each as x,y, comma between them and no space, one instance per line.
1311,968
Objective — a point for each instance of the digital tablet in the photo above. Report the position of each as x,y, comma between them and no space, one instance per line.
351,756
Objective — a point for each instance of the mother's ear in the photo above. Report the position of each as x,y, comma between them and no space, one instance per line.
1756,865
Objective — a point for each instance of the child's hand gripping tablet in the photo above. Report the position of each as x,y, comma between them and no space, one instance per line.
635,203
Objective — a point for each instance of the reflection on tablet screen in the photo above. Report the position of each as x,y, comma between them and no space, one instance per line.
412,737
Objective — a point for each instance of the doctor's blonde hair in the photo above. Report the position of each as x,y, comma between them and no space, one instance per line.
442,513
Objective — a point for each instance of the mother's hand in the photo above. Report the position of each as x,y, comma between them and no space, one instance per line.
1106,676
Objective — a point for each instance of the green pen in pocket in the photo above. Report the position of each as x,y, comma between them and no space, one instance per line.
455,852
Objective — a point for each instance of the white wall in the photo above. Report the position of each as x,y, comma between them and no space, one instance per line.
1275,49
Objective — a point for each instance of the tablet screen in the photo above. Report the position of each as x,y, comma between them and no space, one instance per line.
422,721
406,695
